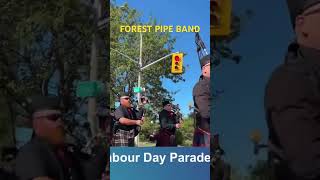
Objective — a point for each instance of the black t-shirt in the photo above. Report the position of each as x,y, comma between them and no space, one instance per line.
292,104
37,159
122,112
168,120
202,99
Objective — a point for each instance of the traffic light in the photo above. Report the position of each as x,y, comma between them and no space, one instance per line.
177,63
220,17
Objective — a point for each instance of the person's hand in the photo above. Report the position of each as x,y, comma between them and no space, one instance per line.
142,119
139,122
145,102
178,125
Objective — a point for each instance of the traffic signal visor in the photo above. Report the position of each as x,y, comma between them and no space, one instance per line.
177,63
220,17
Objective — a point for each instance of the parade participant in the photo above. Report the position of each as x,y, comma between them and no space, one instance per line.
168,125
127,123
46,156
202,101
292,99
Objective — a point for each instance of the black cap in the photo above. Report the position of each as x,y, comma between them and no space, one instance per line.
297,7
164,103
38,103
204,60
123,94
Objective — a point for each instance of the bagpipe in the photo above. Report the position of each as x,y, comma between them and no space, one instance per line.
176,111
201,47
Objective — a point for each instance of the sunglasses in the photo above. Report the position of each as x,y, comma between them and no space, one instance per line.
51,117
208,64
126,98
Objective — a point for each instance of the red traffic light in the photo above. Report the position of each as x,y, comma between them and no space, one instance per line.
177,63
177,59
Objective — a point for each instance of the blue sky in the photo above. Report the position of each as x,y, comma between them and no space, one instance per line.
180,12
262,43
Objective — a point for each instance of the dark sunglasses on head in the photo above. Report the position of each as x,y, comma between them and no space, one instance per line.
126,98
52,117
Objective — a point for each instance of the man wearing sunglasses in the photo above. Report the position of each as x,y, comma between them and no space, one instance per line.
46,156
202,99
38,159
292,99
127,123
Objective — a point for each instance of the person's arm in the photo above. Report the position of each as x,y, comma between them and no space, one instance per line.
129,122
294,114
122,120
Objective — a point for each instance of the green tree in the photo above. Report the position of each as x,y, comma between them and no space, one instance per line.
5,131
261,170
149,127
221,45
39,37
185,133
42,36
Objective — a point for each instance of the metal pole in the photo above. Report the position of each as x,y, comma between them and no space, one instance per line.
125,55
139,83
140,66
157,61
93,77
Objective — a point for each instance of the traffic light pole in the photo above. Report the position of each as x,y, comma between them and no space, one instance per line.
144,67
140,69
92,102
124,55
136,139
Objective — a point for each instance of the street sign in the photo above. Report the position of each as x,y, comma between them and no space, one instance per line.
137,89
89,89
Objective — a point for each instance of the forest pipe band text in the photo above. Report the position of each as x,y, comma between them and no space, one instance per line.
158,28
160,159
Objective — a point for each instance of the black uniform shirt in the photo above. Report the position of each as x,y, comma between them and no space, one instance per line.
38,159
292,103
202,100
167,120
122,112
